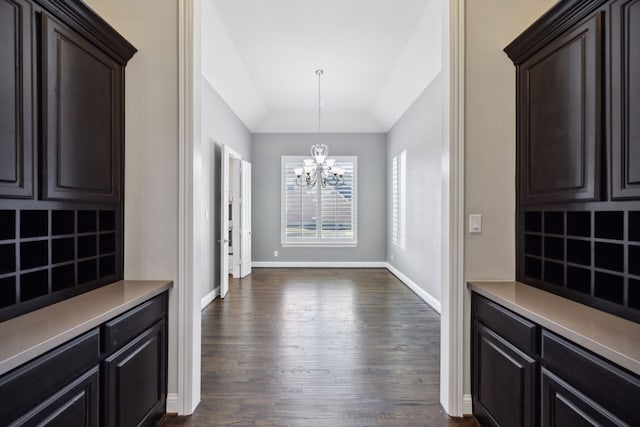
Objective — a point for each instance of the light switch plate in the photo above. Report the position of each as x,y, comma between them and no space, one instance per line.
475,224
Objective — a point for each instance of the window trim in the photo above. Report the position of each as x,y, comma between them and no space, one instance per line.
318,241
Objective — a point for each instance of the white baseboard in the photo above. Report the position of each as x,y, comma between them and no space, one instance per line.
206,300
318,264
173,403
426,296
467,408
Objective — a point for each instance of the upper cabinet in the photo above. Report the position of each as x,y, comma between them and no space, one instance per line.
561,117
16,104
62,70
578,153
61,102
625,99
81,98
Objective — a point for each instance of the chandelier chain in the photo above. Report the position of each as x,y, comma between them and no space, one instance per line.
319,168
319,73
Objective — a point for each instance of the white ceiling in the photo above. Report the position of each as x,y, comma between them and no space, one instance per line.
378,56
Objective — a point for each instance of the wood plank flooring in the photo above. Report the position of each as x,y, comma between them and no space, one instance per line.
319,347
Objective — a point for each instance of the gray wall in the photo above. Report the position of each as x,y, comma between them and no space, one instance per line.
419,132
219,126
267,149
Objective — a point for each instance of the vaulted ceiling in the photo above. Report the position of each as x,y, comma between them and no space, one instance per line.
377,57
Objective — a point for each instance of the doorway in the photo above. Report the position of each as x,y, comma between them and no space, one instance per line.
452,335
235,218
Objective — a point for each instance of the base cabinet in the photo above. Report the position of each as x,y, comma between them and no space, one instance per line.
135,380
525,375
114,375
563,405
74,405
505,381
505,369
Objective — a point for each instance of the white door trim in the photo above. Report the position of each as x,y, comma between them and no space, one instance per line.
452,320
245,222
227,155
188,363
187,333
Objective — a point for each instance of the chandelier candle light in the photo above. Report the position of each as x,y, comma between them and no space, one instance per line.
319,168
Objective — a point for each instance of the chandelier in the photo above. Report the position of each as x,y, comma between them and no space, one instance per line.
319,168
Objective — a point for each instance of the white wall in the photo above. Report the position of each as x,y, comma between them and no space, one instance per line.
219,126
490,137
151,151
371,194
223,67
419,132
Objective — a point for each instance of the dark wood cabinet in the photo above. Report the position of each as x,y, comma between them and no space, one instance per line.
87,382
16,102
74,405
589,378
61,152
578,153
61,384
81,98
504,381
561,384
625,99
560,117
135,380
504,367
563,405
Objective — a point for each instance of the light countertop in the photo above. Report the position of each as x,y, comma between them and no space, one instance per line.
25,337
609,336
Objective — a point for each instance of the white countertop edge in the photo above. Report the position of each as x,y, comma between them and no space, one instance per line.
598,348
43,347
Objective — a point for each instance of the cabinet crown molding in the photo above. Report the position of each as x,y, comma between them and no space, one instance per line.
84,17
562,16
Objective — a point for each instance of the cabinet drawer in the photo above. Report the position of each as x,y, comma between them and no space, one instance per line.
122,329
615,390
75,405
515,329
563,405
26,387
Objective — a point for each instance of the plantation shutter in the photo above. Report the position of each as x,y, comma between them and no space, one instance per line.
395,203
338,206
321,215
300,205
399,199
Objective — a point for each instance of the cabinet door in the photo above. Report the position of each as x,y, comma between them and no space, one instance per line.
625,99
24,388
503,381
74,405
560,118
562,405
81,116
16,140
612,388
135,377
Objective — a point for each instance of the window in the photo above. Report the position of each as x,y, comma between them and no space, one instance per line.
398,198
319,216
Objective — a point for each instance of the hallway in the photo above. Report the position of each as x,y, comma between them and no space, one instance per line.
319,347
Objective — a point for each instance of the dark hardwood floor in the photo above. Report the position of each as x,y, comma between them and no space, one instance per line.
319,347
